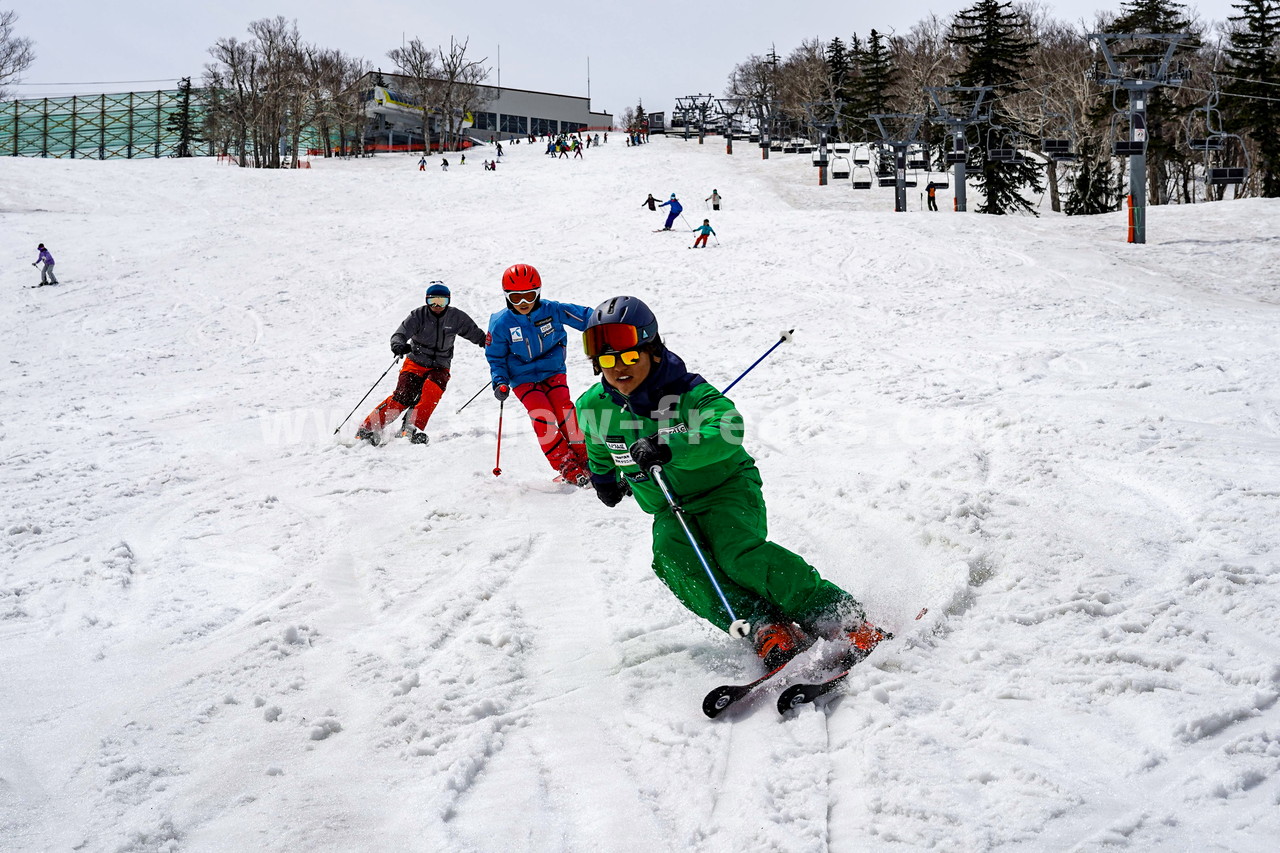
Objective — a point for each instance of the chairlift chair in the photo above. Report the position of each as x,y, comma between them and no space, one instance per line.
887,169
1055,148
1220,176
1215,143
862,155
839,168
918,158
1002,149
1056,145
1206,143
1125,147
862,177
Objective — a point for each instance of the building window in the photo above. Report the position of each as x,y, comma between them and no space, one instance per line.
543,126
485,121
571,126
514,124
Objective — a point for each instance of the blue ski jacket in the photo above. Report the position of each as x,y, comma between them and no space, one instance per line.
676,206
531,347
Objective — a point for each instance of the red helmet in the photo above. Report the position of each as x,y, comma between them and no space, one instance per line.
521,277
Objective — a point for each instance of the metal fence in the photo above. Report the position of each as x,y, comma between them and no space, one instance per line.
98,127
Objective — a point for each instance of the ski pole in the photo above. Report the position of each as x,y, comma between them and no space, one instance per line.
739,628
497,469
786,336
394,361
473,398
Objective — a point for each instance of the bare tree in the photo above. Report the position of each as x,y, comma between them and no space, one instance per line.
231,96
339,106
1061,56
418,66
281,60
922,58
16,53
804,77
261,93
460,77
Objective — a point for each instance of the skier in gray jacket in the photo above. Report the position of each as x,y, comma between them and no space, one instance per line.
426,338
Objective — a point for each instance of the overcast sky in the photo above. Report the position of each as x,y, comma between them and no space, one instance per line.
655,50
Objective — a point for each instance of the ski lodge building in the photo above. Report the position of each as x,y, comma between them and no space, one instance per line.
396,120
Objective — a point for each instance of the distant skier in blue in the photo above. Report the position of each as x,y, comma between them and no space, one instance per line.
676,209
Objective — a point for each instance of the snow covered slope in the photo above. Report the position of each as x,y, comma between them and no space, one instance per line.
222,628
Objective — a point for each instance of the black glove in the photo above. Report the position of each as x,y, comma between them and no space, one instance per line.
401,347
611,493
501,392
647,452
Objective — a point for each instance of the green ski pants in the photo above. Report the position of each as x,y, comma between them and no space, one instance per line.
762,581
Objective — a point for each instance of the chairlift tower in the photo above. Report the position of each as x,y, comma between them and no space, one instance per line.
817,111
730,109
1137,78
685,106
898,132
958,127
702,105
699,105
764,110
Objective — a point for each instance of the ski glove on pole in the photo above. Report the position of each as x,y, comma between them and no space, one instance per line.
647,452
611,494
401,348
501,392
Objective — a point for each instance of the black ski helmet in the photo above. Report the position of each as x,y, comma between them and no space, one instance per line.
619,324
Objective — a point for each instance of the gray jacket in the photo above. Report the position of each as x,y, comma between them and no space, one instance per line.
432,336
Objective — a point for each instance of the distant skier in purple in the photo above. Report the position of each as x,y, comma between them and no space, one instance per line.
676,208
46,272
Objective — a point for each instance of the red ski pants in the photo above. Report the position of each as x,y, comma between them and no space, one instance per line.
555,422
417,384
700,242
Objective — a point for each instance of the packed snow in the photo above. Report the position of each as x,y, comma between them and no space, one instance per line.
222,627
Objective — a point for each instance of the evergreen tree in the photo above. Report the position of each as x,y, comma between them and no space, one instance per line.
1255,63
181,123
841,78
840,69
874,74
878,75
997,53
1097,187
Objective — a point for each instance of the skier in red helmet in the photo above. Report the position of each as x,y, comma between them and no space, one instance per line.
526,351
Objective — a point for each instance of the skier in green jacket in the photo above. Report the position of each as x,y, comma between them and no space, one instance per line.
648,410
